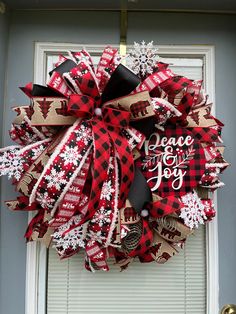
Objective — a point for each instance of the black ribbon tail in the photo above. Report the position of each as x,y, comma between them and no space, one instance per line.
139,193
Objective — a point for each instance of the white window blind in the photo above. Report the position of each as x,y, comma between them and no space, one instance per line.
178,286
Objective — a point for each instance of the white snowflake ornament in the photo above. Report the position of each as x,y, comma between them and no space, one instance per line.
193,212
11,163
70,236
143,58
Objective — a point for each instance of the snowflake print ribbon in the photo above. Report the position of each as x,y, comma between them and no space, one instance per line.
59,172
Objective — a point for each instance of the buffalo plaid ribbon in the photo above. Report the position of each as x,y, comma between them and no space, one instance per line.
195,89
106,130
85,81
165,206
104,220
175,84
207,134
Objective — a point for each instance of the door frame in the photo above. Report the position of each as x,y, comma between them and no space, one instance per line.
36,255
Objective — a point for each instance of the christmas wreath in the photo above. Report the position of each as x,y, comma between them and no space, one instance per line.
117,160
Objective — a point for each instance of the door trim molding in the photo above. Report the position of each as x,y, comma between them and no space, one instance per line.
36,260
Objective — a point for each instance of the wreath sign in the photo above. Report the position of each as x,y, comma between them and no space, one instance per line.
118,161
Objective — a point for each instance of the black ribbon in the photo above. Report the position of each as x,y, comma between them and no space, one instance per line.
122,82
139,193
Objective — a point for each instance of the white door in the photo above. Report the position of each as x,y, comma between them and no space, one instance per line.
179,286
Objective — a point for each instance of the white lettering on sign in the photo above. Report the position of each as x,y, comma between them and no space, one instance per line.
166,159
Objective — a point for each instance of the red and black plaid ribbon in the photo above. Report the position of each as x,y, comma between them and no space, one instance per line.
184,107
207,134
105,136
175,84
165,206
106,130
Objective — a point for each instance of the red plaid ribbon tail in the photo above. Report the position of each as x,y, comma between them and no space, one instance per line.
145,240
106,133
165,206
126,163
116,120
174,85
101,156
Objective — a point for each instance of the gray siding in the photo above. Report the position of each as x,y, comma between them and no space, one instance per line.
103,28
3,58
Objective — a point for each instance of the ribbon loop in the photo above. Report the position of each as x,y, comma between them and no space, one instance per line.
80,106
115,117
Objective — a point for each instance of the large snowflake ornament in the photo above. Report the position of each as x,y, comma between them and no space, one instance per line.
11,164
143,58
69,236
193,212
